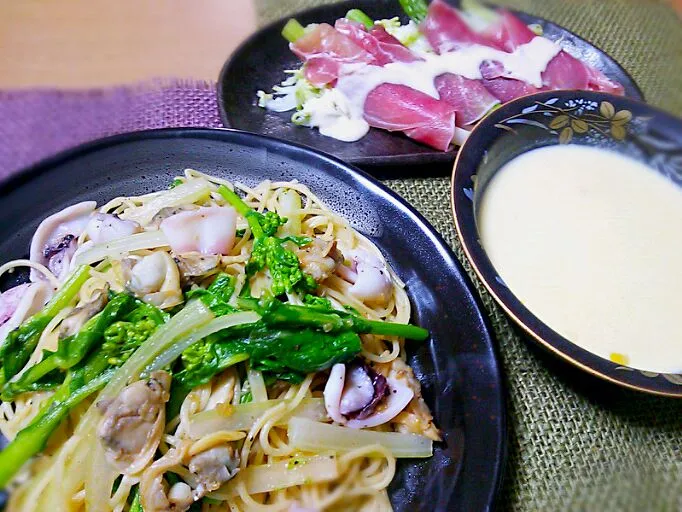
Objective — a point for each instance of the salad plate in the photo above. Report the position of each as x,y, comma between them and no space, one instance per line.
457,366
261,61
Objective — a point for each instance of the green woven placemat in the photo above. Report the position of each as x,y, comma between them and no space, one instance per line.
575,444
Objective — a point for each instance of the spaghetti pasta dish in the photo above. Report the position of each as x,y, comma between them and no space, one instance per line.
207,347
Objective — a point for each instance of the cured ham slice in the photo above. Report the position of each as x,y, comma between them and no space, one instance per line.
508,32
567,72
383,47
446,30
470,99
325,49
422,117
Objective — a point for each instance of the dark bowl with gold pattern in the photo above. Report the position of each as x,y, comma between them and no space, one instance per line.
619,124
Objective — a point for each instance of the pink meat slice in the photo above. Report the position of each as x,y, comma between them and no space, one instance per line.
598,81
328,49
423,118
445,29
383,47
563,72
507,89
470,99
508,32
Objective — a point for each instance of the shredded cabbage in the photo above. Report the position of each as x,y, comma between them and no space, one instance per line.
291,94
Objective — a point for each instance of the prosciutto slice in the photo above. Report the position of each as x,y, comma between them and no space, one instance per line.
470,99
446,30
383,47
325,49
508,32
423,118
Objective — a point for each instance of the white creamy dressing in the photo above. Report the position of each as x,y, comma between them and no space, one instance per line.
338,113
590,242
526,63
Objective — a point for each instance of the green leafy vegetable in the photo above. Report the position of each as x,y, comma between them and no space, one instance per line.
80,381
246,397
360,17
291,354
175,183
217,295
72,349
206,358
269,251
121,339
415,9
277,314
315,302
136,506
21,342
293,31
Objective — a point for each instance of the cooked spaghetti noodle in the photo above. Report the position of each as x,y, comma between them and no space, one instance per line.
243,433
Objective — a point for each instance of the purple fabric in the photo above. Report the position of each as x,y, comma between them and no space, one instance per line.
37,123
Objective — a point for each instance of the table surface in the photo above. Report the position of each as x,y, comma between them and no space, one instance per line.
574,444
85,43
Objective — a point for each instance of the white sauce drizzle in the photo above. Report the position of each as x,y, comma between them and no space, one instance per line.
339,112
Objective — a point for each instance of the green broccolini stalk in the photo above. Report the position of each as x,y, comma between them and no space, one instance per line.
278,314
415,9
360,17
72,349
269,251
17,348
89,376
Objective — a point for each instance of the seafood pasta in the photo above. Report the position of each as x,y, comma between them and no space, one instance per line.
206,347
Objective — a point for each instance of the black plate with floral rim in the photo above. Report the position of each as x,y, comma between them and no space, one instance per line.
627,126
259,63
457,367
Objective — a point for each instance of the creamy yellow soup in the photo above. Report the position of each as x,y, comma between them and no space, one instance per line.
591,242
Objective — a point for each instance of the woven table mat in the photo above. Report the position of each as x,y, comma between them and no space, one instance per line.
37,123
576,444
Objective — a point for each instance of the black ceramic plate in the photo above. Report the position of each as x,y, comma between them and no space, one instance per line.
457,366
259,63
619,124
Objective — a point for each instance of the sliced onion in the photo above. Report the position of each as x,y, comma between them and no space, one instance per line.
313,436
